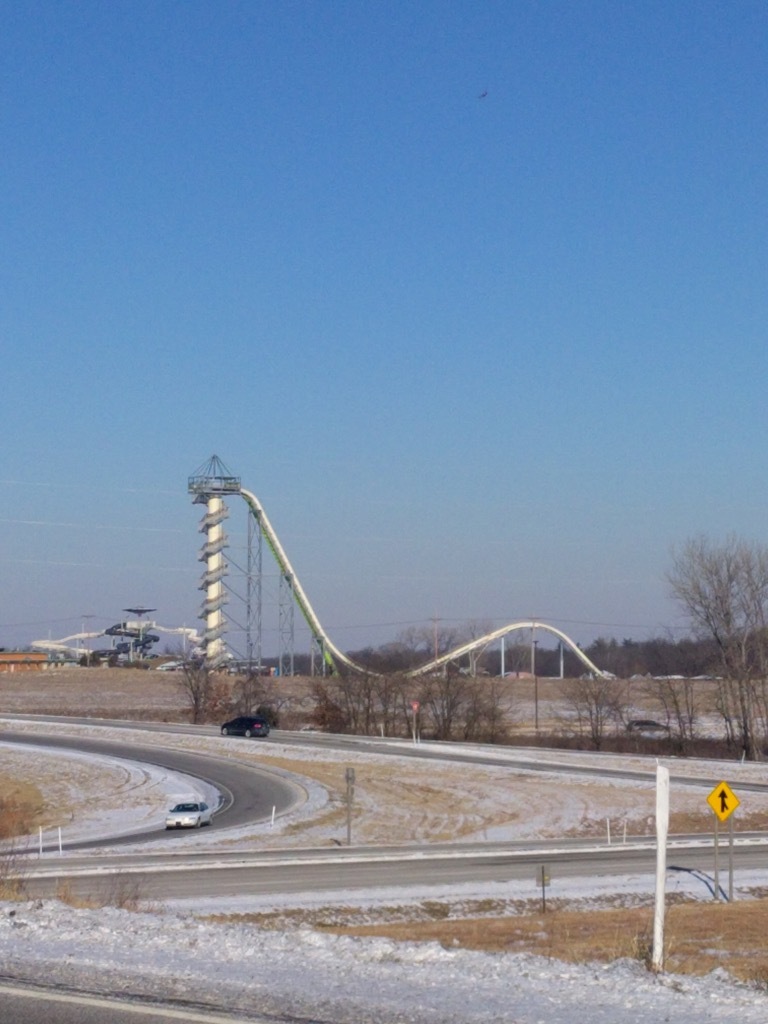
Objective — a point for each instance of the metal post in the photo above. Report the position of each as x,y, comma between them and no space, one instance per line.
349,775
534,670
717,858
543,892
730,859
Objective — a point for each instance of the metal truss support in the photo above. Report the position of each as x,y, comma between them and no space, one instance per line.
317,655
287,638
253,595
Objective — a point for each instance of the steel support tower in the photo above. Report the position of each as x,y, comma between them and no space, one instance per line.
286,625
208,485
253,595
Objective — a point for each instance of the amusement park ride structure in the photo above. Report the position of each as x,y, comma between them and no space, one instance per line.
209,485
131,639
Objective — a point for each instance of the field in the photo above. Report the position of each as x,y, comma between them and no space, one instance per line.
701,936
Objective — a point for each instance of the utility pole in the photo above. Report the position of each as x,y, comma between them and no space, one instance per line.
535,675
435,621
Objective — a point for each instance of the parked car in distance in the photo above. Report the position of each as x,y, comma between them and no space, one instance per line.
246,725
190,814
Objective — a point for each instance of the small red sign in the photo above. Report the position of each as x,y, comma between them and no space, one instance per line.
415,705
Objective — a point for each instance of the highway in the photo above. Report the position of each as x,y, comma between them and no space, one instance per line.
27,1004
249,794
165,866
531,759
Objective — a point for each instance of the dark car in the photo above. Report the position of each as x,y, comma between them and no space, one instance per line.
246,725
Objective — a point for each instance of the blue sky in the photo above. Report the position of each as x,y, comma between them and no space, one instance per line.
479,356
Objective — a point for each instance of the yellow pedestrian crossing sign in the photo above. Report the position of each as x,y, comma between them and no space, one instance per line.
723,801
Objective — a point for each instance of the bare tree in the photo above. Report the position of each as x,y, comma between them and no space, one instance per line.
488,712
724,591
597,704
262,694
679,701
391,694
357,697
445,697
327,713
204,694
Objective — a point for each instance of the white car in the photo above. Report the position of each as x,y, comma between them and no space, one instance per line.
191,814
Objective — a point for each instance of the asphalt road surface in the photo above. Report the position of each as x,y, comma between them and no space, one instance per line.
248,793
20,1004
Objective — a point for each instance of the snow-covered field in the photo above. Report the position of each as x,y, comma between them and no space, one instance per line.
169,952
313,977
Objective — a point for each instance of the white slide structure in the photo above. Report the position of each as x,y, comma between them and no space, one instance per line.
74,644
334,658
485,641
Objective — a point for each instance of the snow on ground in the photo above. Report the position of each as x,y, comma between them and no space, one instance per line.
102,795
341,980
404,800
171,953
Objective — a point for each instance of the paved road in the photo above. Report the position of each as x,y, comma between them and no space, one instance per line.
534,759
26,1005
220,874
163,874
248,793
208,875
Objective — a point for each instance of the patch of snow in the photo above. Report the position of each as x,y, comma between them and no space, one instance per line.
171,953
347,980
103,795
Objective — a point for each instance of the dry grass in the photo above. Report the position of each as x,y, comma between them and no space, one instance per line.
21,807
134,694
118,890
698,937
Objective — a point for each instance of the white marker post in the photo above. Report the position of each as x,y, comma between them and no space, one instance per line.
662,829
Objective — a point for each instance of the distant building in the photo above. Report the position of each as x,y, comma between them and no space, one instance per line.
23,661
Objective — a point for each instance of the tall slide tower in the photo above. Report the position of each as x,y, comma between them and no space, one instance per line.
209,484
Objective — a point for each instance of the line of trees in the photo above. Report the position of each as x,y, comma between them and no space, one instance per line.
723,590
448,706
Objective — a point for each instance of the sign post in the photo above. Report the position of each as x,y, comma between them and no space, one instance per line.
723,802
349,775
415,720
542,877
662,828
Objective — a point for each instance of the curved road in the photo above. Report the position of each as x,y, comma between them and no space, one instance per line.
218,874
248,793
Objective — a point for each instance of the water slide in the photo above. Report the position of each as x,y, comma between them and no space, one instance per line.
334,657
140,633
